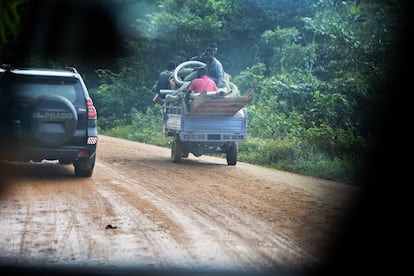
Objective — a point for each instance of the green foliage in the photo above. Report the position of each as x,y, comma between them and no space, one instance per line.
251,78
11,20
181,29
294,155
335,142
281,51
120,95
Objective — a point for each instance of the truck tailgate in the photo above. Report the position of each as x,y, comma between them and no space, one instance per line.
212,128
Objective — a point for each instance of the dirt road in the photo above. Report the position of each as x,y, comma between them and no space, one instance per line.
141,210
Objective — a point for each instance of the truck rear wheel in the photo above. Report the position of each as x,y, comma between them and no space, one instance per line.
231,154
176,149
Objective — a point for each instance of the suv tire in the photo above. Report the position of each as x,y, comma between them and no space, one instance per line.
84,168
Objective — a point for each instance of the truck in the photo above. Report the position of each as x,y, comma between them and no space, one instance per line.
206,122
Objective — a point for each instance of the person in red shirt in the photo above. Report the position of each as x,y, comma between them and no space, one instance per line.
202,82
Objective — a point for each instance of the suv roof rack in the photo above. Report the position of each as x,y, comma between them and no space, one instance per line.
6,66
72,69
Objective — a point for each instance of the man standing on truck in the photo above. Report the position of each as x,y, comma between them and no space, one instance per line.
201,57
214,67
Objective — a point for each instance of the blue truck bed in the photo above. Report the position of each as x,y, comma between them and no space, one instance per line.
208,128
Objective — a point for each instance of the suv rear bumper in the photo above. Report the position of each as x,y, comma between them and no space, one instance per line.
65,154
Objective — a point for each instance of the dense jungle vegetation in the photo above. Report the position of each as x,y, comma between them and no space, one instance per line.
318,70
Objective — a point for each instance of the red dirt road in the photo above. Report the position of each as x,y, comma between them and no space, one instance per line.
139,209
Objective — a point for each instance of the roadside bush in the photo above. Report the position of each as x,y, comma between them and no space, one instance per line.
335,142
294,155
251,151
336,169
271,153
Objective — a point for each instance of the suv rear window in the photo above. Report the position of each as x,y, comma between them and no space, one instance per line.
27,89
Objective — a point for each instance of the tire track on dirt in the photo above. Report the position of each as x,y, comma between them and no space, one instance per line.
192,246
230,240
138,218
55,227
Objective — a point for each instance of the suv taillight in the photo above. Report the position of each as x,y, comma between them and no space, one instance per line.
91,108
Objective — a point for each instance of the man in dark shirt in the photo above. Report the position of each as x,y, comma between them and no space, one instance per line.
164,80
